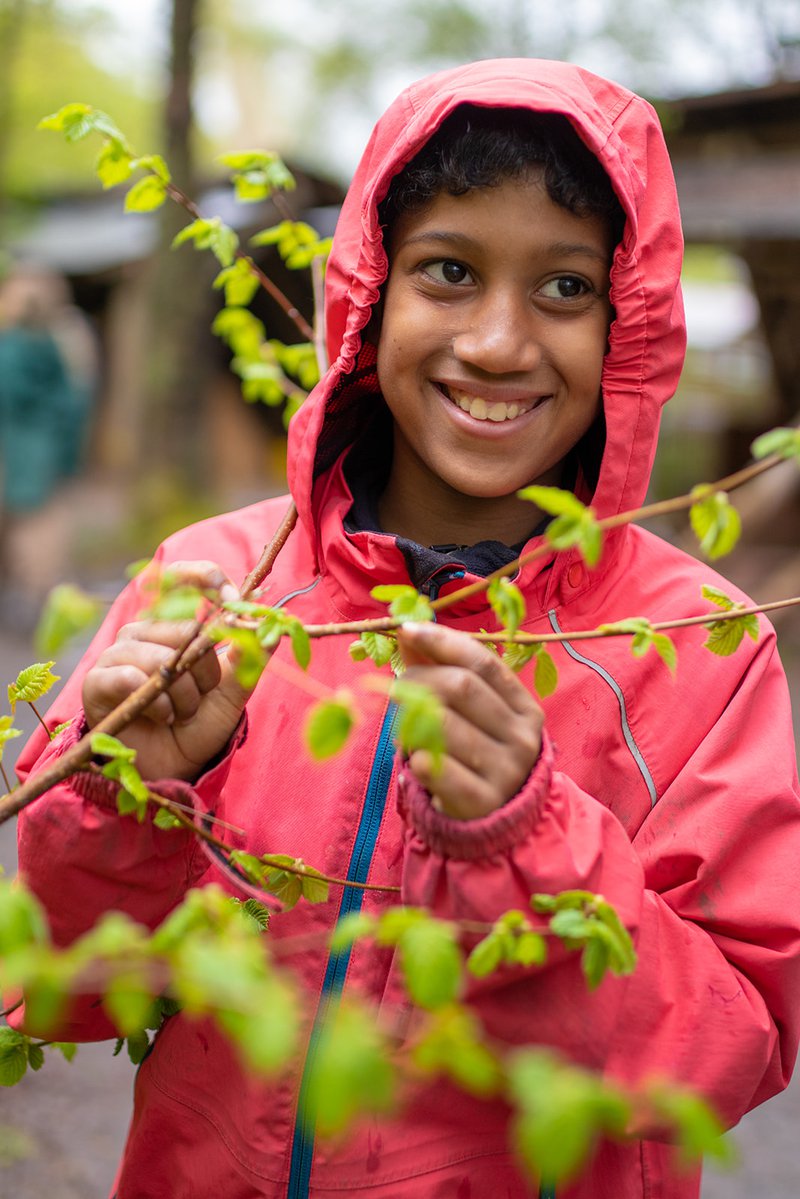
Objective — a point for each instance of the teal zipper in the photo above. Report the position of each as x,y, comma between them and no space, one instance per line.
336,970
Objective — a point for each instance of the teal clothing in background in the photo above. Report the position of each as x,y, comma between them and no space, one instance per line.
43,419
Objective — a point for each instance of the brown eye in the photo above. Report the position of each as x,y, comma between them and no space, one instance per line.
565,287
448,271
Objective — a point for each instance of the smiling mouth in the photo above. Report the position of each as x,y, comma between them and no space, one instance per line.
481,409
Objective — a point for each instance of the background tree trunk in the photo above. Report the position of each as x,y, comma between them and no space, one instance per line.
179,300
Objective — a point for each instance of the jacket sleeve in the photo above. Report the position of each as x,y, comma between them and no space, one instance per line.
707,888
81,859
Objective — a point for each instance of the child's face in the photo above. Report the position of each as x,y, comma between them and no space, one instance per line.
494,327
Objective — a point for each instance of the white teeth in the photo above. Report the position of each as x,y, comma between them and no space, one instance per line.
480,410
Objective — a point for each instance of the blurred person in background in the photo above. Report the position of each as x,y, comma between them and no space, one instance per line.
48,379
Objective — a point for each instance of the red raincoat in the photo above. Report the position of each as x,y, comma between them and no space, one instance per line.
675,797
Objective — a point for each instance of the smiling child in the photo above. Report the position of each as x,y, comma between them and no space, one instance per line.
503,308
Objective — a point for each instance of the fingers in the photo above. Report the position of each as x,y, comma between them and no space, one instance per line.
141,649
492,724
206,576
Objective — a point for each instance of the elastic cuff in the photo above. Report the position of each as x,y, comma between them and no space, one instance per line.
200,795
496,833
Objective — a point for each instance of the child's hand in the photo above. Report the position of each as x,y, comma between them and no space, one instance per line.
188,725
492,728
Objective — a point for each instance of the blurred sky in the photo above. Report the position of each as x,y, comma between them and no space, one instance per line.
703,47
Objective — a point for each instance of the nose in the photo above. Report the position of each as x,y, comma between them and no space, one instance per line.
501,335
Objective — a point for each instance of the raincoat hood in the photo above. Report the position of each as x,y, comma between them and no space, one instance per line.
647,337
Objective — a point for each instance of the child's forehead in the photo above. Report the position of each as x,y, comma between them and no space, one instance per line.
515,216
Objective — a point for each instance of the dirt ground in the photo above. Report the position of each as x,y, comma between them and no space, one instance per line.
61,1131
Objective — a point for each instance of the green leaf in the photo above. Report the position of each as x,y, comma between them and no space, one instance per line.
22,920
431,963
554,500
66,1048
785,442
240,282
301,644
106,746
67,613
35,1056
155,164
176,602
127,804
257,912
314,888
328,726
405,603
13,1056
299,360
531,949
73,120
699,1131
716,523
561,1112
644,638
569,924
137,1045
507,603
114,164
486,956
252,867
209,233
164,819
451,1045
240,330
725,637
290,237
516,655
420,723
573,525
375,646
7,733
257,174
717,597
352,1072
127,1001
352,928
665,648
545,676
31,684
250,657
623,952
146,195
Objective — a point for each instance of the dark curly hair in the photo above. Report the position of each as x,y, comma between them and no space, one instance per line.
482,147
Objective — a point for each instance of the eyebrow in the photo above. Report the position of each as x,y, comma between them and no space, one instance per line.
563,249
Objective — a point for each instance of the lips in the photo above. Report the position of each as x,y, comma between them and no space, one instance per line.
480,408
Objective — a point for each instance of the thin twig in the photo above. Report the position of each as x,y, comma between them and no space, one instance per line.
194,645
274,864
271,288
660,508
708,618
270,553
40,718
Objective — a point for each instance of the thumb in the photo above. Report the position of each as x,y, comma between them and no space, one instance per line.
408,642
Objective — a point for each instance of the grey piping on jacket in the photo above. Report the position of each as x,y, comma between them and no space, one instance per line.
636,753
293,594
